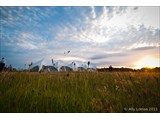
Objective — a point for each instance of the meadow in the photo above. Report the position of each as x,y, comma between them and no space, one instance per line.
79,92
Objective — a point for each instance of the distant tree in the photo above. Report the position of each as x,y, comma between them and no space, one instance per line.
2,64
156,69
146,69
110,68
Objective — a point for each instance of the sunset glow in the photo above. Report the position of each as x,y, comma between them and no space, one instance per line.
147,61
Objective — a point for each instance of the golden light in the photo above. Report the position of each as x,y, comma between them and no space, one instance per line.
147,61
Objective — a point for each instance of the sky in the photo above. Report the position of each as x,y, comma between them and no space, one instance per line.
117,36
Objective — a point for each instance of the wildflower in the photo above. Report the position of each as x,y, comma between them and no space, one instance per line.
117,87
105,87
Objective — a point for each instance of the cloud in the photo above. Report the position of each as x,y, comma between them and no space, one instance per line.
99,56
102,30
108,55
98,35
30,41
144,48
104,35
26,45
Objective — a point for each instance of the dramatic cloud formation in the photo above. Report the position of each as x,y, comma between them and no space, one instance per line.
117,36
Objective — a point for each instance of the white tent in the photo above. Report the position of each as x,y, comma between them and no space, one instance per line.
82,66
38,63
73,65
44,65
55,64
52,66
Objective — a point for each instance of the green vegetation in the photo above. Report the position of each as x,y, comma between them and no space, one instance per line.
80,92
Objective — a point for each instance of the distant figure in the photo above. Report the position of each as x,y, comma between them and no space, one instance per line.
2,63
88,63
10,68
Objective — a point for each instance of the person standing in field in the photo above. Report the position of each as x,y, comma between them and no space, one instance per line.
2,63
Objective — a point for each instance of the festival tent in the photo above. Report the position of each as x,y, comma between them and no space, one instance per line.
36,66
82,66
92,68
69,67
65,68
55,64
45,65
73,65
48,69
59,66
81,69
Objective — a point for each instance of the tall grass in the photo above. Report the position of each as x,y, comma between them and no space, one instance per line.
79,92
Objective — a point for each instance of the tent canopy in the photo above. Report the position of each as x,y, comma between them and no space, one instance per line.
52,66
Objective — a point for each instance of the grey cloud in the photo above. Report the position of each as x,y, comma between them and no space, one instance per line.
109,55
124,39
99,56
144,48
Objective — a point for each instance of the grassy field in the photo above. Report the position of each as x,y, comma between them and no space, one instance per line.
80,92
